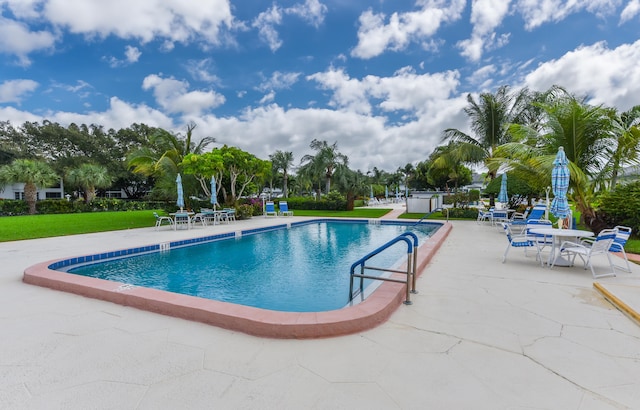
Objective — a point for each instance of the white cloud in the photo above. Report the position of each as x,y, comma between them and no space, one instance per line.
17,39
132,54
312,11
202,70
174,97
279,81
538,12
631,10
119,115
265,22
15,90
175,20
375,36
404,91
267,98
486,16
607,76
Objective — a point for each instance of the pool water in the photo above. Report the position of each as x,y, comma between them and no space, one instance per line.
301,269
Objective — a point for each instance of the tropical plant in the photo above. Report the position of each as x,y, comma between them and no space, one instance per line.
33,173
161,158
626,130
282,161
325,162
489,119
585,132
88,177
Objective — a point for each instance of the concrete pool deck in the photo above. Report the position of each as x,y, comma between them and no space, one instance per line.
480,334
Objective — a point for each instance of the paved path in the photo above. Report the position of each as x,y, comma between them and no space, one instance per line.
480,335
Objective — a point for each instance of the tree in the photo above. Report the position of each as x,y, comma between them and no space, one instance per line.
161,158
489,118
353,183
241,169
88,177
585,132
626,130
33,174
283,161
326,160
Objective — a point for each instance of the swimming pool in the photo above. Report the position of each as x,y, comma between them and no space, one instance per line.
301,269
373,311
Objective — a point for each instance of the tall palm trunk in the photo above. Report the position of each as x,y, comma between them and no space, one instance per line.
31,196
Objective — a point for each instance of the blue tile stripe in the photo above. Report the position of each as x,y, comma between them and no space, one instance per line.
66,263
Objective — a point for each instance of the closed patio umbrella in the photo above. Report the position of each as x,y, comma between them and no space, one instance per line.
560,177
371,194
386,192
214,199
180,201
503,197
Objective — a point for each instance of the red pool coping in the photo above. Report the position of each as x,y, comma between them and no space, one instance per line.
373,311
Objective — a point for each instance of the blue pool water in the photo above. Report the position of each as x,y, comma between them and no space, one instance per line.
301,269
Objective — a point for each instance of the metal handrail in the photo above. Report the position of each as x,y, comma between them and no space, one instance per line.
410,272
429,213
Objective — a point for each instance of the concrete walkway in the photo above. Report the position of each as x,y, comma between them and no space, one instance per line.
480,335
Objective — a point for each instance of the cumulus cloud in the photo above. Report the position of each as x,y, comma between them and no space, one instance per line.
176,20
486,16
202,70
311,11
131,55
15,90
375,35
17,39
607,76
173,95
404,91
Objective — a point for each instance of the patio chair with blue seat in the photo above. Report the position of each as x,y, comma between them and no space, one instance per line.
499,216
284,209
587,249
181,219
519,241
270,209
160,220
624,232
484,215
537,213
229,214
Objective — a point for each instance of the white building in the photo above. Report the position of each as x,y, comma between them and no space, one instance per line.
16,191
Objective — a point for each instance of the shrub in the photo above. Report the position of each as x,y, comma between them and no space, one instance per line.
331,202
462,213
620,207
244,211
13,207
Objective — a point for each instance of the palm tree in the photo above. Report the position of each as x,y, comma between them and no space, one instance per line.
283,161
326,160
33,174
489,118
88,177
583,130
626,129
161,157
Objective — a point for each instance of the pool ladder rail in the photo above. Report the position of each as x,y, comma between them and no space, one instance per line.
412,258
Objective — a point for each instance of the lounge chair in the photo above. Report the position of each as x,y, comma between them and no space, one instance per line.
270,209
624,232
199,218
284,209
588,248
160,220
519,241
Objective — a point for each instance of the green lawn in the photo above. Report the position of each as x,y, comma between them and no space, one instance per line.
14,228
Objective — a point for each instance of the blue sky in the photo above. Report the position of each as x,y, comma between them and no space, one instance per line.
380,78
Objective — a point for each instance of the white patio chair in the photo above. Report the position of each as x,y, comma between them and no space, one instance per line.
624,232
160,220
587,249
519,241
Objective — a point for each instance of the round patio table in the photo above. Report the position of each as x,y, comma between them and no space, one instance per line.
559,235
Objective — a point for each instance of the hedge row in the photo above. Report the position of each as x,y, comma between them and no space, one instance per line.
10,207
